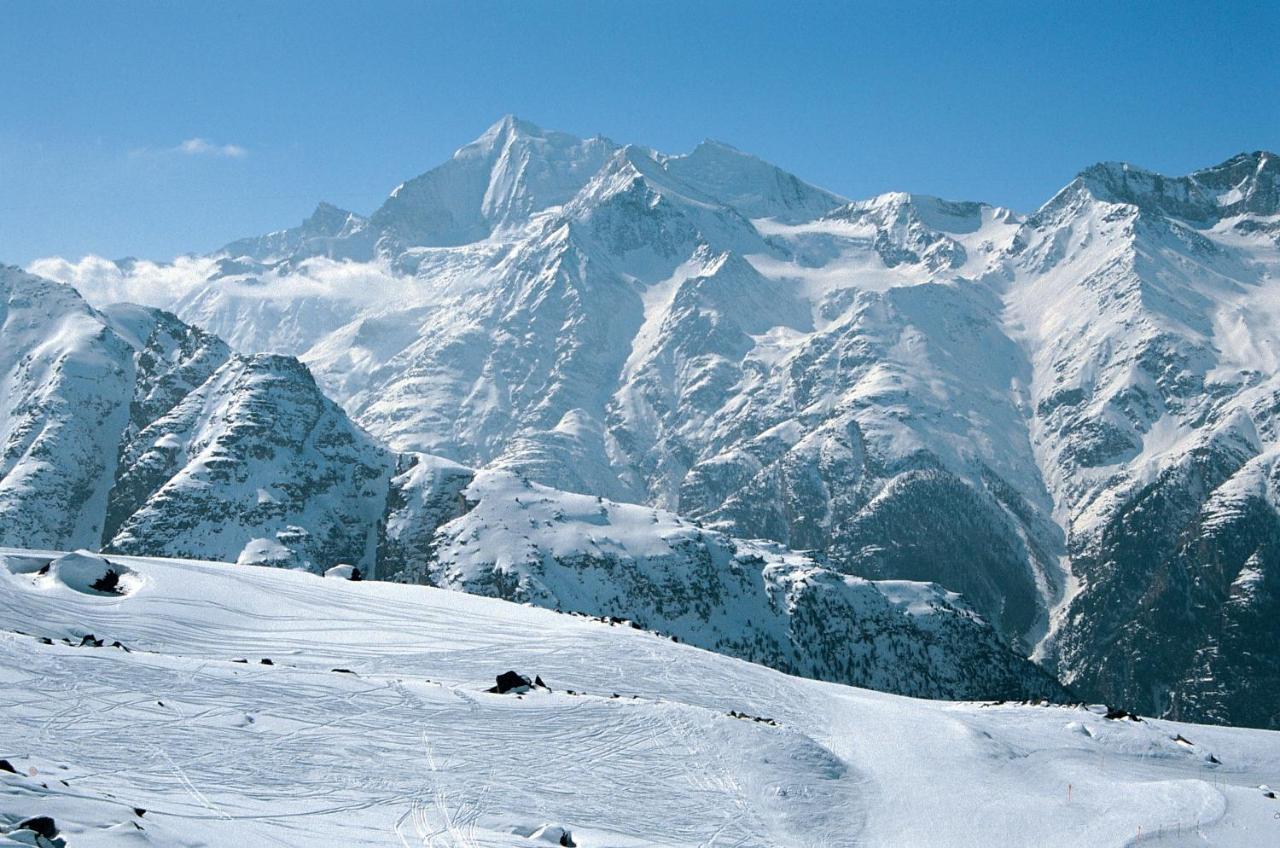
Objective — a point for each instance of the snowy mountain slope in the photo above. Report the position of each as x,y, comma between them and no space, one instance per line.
524,542
1154,389
129,427
1035,412
256,462
890,439
66,379
409,748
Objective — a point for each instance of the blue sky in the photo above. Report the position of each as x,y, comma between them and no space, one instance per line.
292,103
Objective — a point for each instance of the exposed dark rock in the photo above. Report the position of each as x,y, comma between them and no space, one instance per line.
108,583
511,681
42,825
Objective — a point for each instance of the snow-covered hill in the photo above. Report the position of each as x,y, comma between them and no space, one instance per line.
248,705
1067,417
751,599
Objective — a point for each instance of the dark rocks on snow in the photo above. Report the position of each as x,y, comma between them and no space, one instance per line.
266,661
1115,714
42,825
139,812
108,583
5,765
758,719
88,640
511,681
342,670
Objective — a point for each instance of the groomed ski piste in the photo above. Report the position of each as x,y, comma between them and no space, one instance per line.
372,725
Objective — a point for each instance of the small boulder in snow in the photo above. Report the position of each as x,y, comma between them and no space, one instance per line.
553,835
91,574
346,572
511,681
41,826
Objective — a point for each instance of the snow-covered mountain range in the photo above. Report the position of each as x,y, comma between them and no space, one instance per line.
1068,418
137,433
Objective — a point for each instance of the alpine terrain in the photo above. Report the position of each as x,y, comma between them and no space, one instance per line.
958,434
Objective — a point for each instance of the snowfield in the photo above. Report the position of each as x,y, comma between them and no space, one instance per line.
372,726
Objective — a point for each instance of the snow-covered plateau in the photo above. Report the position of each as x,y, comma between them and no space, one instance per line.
182,703
939,425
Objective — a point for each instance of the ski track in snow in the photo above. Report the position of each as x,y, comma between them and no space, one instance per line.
410,749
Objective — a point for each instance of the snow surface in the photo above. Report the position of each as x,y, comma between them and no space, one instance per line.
409,749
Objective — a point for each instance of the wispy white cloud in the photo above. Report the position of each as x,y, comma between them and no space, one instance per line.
201,147
102,281
164,284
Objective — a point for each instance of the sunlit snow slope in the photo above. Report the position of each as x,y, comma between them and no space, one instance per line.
409,749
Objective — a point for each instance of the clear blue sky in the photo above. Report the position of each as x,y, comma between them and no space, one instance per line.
298,102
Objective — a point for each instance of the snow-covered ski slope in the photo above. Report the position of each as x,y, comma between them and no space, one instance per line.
408,749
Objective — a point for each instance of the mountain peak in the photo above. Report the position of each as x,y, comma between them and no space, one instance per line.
749,184
950,216
327,218
509,125
1245,183
712,145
